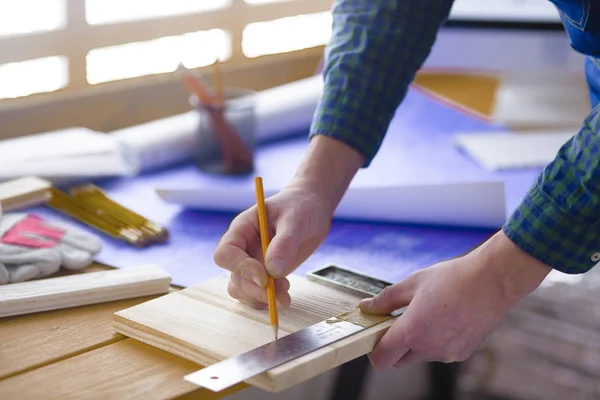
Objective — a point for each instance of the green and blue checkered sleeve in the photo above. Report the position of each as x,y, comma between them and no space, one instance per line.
375,50
558,221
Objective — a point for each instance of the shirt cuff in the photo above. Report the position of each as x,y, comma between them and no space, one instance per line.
562,241
342,117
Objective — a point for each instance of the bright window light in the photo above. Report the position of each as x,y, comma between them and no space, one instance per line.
113,11
29,16
286,34
41,75
193,50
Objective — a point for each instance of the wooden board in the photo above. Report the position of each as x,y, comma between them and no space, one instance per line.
127,369
82,289
34,340
205,325
18,194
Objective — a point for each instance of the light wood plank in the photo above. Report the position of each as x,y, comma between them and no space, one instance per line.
124,370
82,289
205,325
24,192
34,340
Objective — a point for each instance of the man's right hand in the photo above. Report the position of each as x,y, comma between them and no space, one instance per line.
298,224
299,219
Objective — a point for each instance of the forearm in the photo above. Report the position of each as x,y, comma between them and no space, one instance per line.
327,169
375,50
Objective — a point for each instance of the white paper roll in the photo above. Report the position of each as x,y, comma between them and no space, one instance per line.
280,112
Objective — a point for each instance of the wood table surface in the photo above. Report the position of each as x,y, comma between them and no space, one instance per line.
75,353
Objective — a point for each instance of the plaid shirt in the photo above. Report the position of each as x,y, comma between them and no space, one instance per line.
375,50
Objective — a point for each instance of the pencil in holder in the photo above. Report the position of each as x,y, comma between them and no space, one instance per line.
226,136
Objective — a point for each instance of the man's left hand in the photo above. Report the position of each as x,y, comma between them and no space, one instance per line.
454,305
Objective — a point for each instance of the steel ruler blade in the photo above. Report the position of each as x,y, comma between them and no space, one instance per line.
240,368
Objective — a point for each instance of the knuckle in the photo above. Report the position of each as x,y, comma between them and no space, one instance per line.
219,256
232,289
282,285
237,267
416,275
385,296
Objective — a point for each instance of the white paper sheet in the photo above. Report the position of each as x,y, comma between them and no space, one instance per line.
477,204
63,154
500,151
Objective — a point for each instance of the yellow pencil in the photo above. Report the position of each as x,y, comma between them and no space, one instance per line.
264,237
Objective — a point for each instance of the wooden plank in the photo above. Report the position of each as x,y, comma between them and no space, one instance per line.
34,340
124,370
24,192
205,325
82,289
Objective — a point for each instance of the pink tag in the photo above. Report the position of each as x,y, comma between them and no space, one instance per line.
32,231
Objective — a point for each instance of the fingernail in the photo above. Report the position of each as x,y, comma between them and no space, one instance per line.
365,302
276,267
256,280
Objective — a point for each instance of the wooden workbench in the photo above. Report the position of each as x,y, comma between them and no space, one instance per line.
75,353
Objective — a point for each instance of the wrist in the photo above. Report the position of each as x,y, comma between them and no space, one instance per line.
514,271
327,169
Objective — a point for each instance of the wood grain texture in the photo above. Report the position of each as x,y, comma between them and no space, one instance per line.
82,289
205,325
34,340
124,370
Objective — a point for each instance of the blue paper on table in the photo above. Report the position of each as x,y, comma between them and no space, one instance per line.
418,154
419,147
387,251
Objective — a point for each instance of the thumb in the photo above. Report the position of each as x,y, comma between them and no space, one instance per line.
283,249
389,299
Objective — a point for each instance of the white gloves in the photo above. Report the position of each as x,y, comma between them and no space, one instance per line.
31,248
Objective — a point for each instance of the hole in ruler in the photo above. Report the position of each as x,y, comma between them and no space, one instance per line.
214,377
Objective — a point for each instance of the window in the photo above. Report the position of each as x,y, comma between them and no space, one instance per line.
114,11
74,44
157,56
286,34
24,78
16,16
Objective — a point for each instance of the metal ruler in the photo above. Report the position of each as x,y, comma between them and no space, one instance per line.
240,368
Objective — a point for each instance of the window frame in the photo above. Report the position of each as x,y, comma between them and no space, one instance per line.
78,37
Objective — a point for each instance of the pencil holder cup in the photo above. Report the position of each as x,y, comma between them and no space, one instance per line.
226,136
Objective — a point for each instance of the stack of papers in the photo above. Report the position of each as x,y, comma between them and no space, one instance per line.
501,151
63,154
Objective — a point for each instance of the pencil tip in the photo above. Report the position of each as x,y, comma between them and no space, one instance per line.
275,331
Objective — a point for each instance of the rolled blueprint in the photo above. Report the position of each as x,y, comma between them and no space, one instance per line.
159,143
281,112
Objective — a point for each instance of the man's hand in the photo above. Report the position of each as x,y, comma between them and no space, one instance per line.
299,220
454,305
